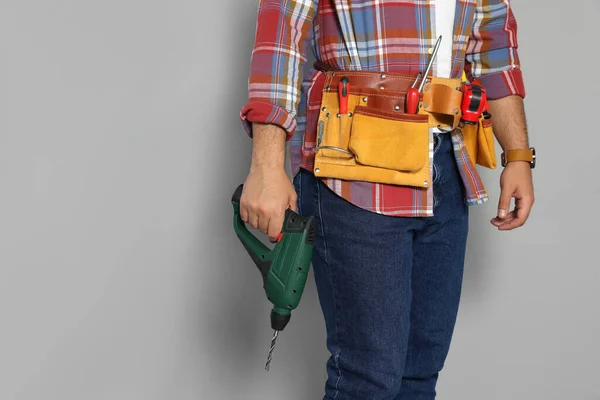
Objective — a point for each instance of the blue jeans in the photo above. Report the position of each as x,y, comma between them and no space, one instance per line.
389,287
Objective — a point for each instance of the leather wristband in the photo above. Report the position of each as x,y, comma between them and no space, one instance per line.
519,155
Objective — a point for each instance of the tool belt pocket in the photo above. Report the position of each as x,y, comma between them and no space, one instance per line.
390,140
480,143
333,129
372,143
486,143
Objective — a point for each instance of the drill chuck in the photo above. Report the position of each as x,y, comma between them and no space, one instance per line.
279,321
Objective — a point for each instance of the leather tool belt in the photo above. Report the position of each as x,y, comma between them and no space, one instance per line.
375,140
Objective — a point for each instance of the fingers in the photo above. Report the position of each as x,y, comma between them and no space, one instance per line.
249,213
274,228
501,221
253,220
522,211
516,218
293,202
504,202
243,212
503,215
276,221
266,218
263,223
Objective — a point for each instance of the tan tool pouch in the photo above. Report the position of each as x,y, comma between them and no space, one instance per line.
480,143
372,145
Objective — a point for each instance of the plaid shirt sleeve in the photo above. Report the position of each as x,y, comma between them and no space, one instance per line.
283,32
492,51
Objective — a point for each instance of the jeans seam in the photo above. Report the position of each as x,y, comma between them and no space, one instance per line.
337,365
335,297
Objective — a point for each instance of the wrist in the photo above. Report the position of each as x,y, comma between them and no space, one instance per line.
265,166
518,164
267,157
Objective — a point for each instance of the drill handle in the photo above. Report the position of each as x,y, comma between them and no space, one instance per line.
262,256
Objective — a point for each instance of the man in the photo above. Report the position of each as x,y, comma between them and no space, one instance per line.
388,259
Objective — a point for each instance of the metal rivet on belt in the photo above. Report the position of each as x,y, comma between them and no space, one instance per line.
426,105
327,115
317,170
364,99
426,183
396,107
456,111
324,109
349,114
337,115
426,88
383,76
327,87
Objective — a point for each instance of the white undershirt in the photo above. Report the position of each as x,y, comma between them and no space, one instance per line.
444,25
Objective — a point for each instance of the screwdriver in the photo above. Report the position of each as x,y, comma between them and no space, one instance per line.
344,95
413,94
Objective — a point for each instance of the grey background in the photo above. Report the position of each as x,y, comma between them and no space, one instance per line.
121,277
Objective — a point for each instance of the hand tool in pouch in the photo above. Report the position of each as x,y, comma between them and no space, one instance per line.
343,95
413,94
284,269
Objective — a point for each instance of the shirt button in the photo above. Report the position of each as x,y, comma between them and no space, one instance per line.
430,50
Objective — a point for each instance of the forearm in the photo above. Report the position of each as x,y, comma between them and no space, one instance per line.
268,146
509,122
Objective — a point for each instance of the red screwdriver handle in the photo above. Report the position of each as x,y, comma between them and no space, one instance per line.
411,101
344,93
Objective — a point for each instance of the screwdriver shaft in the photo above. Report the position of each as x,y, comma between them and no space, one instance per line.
433,54
270,356
416,80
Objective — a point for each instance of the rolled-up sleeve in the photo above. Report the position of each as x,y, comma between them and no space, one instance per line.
283,33
492,54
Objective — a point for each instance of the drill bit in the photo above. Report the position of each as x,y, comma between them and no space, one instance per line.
270,357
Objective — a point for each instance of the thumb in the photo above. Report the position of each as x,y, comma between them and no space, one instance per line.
504,202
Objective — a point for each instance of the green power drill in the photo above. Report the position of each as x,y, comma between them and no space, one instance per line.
284,269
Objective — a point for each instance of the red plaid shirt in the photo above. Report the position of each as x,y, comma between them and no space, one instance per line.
385,35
